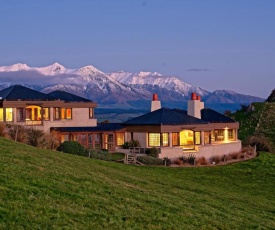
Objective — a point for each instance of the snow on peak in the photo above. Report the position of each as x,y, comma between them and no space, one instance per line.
52,70
146,74
14,68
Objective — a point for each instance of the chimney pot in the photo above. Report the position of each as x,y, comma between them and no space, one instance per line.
193,96
155,97
198,97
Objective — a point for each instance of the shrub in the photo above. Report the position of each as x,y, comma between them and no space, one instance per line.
201,161
183,159
71,147
261,142
117,156
17,133
153,152
216,159
191,159
36,138
147,160
2,129
167,161
98,154
233,156
131,144
177,161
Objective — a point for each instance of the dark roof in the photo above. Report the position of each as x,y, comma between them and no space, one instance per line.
19,92
99,128
165,116
212,116
65,96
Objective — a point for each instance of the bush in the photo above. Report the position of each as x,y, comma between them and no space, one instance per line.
71,147
153,152
17,133
167,161
261,142
98,154
131,144
191,159
201,161
216,159
147,160
2,129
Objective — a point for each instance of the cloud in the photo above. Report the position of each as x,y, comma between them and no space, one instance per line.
197,70
34,77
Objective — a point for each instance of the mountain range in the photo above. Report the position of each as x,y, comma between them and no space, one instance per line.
120,87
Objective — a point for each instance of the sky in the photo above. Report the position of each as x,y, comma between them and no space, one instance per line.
213,44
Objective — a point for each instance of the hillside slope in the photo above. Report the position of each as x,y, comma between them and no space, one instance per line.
51,190
261,121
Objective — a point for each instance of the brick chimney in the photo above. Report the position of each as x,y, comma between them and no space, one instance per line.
155,104
195,105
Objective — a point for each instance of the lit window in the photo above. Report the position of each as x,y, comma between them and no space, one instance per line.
187,139
175,139
91,112
165,139
231,134
1,114
97,141
154,139
46,114
120,139
9,114
206,137
197,138
57,113
68,113
219,135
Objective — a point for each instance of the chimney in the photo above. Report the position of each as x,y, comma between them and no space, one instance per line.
195,105
155,104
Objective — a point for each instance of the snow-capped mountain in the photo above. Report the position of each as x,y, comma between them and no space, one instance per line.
113,88
148,81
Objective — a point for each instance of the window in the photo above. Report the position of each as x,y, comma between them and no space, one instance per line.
154,139
219,135
97,141
90,140
231,134
81,138
165,139
187,139
57,112
46,114
64,138
20,114
109,141
9,114
207,138
120,139
197,138
175,139
62,113
1,114
91,112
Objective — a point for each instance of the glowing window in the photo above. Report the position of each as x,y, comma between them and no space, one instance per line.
197,138
165,139
68,113
187,139
46,114
9,114
120,139
231,134
57,112
1,114
206,137
154,139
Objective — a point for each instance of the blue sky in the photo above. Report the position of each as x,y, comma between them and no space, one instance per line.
217,44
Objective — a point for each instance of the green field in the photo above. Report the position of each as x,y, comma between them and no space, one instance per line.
42,189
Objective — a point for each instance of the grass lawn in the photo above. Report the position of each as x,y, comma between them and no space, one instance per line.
42,189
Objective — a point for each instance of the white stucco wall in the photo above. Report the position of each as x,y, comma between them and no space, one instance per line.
206,151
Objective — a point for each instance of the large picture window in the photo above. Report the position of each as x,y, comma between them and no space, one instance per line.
9,114
165,139
197,138
1,114
62,113
119,139
154,139
187,139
